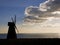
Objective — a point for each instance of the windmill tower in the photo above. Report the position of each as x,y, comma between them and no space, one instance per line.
11,31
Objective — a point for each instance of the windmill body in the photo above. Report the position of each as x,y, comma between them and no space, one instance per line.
11,30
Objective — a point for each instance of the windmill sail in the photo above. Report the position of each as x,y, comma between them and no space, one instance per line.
15,24
15,19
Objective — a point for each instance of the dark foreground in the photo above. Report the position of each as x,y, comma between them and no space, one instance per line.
29,41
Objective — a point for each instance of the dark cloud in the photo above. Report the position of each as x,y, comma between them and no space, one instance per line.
45,10
32,11
33,19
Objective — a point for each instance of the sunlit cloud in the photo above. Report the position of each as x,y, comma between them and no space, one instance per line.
49,8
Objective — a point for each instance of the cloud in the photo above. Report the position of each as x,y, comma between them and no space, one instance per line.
49,8
50,5
45,5
33,19
32,10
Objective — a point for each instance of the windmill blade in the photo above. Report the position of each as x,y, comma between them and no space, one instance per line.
23,21
12,19
15,19
15,23
16,29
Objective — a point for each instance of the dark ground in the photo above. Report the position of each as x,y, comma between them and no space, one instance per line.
29,41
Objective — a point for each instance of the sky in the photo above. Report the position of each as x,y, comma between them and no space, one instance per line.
31,15
9,8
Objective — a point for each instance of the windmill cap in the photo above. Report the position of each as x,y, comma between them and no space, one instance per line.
11,24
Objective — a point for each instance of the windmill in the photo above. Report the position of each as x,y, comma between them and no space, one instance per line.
12,27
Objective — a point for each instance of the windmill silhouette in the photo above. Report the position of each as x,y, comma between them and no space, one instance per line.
12,27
